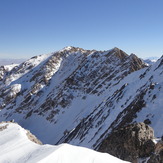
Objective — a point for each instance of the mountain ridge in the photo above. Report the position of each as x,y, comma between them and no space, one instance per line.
87,92
17,147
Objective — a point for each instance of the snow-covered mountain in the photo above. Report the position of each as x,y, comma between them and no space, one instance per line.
10,61
150,60
16,147
79,96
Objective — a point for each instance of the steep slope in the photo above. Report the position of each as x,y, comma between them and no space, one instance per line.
137,98
17,148
79,96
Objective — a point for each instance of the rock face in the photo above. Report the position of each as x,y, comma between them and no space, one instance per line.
157,156
33,138
130,143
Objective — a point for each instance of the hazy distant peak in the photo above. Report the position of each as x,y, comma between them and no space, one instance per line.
8,61
150,60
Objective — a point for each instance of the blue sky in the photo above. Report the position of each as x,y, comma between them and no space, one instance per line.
34,27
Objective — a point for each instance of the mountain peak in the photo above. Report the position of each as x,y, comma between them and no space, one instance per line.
119,53
71,48
68,48
86,87
116,49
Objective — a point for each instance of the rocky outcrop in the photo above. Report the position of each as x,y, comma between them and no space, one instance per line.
157,156
3,127
130,143
30,136
33,138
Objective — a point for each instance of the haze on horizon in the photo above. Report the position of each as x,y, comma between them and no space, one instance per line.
30,28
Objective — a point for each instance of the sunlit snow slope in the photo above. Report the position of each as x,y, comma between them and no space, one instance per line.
15,147
79,96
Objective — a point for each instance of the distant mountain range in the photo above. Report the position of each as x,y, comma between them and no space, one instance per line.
79,96
10,61
150,60
3,62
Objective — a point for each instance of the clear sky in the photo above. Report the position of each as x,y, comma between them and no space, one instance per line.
34,27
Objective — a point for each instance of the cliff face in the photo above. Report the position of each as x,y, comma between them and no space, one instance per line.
130,142
79,96
135,143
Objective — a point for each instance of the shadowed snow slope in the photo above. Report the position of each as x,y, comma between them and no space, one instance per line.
17,148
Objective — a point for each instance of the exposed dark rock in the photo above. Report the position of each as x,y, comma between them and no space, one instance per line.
3,127
130,142
147,121
157,156
119,53
136,63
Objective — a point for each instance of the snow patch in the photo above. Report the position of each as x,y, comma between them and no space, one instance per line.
17,148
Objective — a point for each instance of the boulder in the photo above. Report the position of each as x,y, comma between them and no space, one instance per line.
130,142
157,156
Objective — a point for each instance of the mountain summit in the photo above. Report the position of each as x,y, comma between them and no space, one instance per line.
79,96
